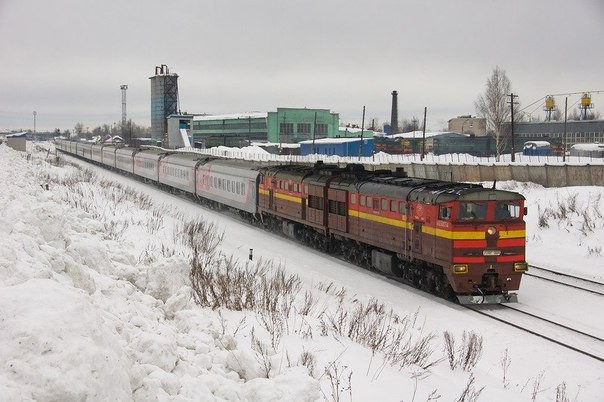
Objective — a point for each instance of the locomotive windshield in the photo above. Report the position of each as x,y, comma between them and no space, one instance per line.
472,210
503,210
507,210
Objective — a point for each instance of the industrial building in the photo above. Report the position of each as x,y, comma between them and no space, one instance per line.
468,125
338,146
286,125
577,132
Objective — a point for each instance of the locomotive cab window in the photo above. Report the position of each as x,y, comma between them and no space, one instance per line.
507,210
444,213
472,210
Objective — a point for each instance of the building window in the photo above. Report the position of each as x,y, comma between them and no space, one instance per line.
286,128
321,129
304,128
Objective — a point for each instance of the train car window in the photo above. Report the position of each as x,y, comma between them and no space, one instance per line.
243,188
333,208
353,198
444,213
472,210
341,208
363,201
392,206
376,204
507,210
369,202
401,207
306,188
384,205
287,185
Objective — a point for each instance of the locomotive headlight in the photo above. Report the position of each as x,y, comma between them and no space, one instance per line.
520,267
460,268
491,230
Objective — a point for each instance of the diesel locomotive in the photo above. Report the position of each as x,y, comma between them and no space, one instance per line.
460,241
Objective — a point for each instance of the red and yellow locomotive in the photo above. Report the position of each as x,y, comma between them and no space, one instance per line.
450,239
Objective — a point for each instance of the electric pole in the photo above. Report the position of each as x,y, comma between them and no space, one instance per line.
512,102
362,129
424,134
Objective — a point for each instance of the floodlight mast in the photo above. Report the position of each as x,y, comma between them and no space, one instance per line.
124,88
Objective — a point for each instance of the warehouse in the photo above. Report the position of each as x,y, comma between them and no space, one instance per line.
286,125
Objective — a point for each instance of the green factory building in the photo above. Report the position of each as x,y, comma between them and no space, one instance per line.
286,125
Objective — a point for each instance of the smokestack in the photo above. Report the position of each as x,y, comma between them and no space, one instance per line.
394,113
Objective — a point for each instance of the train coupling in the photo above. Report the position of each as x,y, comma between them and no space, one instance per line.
488,299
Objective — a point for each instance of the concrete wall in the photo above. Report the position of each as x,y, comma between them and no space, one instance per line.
545,175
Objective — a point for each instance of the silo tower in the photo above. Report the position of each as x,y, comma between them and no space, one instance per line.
164,100
585,105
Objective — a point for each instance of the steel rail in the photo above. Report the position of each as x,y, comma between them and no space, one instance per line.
585,280
549,338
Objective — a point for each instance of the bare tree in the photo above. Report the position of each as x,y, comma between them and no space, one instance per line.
78,129
493,105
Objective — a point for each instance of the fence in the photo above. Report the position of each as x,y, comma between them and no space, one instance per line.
546,171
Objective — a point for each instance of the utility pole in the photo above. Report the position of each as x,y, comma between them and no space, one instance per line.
362,129
249,131
424,134
564,140
35,114
314,131
512,102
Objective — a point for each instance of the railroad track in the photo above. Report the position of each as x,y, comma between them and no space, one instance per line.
572,281
582,342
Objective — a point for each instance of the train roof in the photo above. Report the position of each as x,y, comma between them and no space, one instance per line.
429,191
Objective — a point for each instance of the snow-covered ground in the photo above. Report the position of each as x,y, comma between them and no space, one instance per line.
96,304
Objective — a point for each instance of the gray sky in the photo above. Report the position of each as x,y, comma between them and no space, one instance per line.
66,59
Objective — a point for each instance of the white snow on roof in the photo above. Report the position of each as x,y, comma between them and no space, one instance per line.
252,150
588,147
23,134
334,140
275,144
419,134
245,115
538,144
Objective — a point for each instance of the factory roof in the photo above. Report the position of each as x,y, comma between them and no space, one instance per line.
245,115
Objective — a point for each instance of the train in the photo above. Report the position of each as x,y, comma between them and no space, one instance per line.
460,241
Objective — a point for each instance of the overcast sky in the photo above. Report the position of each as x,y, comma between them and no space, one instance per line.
66,59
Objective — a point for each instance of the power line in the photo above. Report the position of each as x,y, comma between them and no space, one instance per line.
560,94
